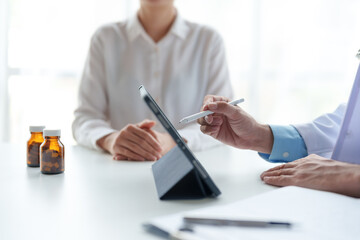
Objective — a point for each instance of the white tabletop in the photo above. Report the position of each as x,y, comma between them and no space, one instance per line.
99,198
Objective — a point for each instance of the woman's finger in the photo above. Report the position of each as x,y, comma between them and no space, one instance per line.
119,157
142,146
145,137
124,151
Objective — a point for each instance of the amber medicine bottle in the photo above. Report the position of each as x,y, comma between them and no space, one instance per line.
33,146
52,153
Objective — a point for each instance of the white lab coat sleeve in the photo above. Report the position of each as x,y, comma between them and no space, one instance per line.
91,121
320,135
218,84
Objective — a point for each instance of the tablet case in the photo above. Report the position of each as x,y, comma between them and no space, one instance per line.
176,178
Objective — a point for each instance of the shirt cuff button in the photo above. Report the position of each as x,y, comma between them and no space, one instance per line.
285,154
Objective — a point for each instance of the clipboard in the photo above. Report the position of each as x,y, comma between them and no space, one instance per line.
178,174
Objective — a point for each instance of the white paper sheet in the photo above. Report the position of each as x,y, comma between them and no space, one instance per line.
315,215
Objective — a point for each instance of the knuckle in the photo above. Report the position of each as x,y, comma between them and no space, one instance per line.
130,126
278,177
283,166
328,161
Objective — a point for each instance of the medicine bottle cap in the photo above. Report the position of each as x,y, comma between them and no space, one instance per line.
52,133
36,128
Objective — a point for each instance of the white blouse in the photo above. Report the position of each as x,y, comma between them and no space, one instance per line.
178,71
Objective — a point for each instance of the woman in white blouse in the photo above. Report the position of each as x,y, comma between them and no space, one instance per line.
179,62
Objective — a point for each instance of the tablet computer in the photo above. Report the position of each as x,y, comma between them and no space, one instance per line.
178,174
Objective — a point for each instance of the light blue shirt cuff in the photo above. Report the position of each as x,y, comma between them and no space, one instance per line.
288,145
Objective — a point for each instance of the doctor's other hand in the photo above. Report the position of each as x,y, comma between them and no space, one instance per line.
318,173
134,142
233,126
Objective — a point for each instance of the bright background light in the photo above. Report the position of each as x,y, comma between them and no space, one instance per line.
291,60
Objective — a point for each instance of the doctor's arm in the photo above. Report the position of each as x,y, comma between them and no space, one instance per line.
297,141
231,125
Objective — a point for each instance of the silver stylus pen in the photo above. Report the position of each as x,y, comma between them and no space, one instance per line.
205,113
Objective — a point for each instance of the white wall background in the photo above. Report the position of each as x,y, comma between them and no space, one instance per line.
4,9
291,60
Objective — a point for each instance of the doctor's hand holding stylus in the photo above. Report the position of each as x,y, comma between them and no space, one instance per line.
233,126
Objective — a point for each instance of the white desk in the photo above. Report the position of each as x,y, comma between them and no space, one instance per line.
99,198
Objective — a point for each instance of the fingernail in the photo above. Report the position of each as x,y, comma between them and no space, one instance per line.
207,119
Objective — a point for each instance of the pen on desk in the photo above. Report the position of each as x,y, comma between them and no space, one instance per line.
205,113
235,223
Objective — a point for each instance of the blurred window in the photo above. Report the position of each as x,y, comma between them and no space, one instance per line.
291,60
